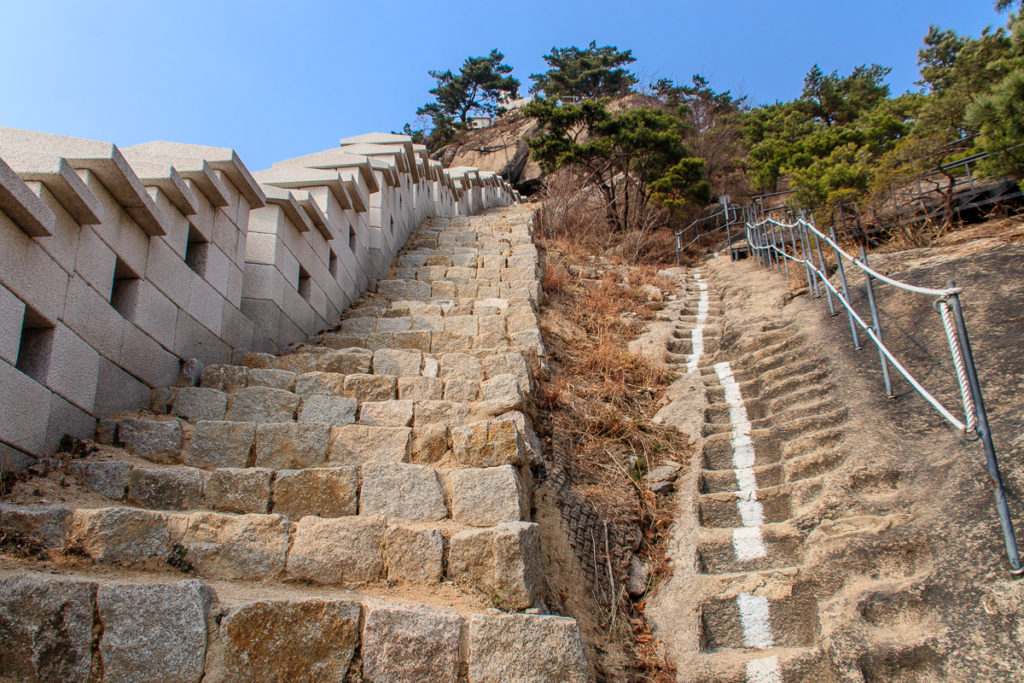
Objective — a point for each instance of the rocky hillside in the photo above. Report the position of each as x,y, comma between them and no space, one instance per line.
500,148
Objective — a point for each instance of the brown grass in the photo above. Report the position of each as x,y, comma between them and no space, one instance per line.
601,398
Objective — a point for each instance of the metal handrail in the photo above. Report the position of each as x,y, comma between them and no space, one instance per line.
767,237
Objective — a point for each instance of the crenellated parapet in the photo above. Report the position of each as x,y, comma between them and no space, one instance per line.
116,265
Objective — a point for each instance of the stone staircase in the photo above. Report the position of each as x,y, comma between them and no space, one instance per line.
359,507
795,565
769,428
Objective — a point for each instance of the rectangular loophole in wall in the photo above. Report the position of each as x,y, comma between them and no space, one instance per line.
352,239
305,283
124,294
35,345
392,226
196,251
332,265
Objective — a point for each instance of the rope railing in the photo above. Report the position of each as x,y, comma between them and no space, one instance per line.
778,243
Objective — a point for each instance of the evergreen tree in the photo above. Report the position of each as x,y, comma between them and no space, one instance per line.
632,157
479,87
590,73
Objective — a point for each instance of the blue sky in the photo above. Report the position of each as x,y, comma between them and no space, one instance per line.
275,80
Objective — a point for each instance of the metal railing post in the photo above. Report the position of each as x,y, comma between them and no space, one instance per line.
824,273
846,290
677,248
812,283
1009,538
782,241
876,324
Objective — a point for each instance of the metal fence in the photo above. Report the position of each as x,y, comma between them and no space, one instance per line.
791,238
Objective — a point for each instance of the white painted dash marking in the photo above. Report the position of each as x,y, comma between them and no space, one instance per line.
748,544
756,621
697,333
764,670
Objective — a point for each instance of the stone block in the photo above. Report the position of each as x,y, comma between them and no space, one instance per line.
398,362
400,324
117,391
411,643
461,325
171,488
245,547
392,289
503,562
272,378
528,339
255,360
443,290
488,443
359,326
525,647
429,443
225,377
117,535
221,444
402,492
155,440
145,359
295,640
333,410
325,492
501,394
91,316
154,632
262,405
414,339
320,383
413,554
291,445
46,626
198,403
106,477
386,413
510,363
46,523
460,366
485,496
355,444
447,342
348,361
364,387
417,290
448,413
428,322
66,418
420,388
12,314
461,390
492,324
243,490
343,550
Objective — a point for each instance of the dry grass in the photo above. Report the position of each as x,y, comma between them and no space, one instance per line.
573,217
601,398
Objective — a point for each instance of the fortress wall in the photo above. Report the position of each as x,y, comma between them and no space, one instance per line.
116,265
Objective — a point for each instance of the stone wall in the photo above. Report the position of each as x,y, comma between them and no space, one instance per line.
116,265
